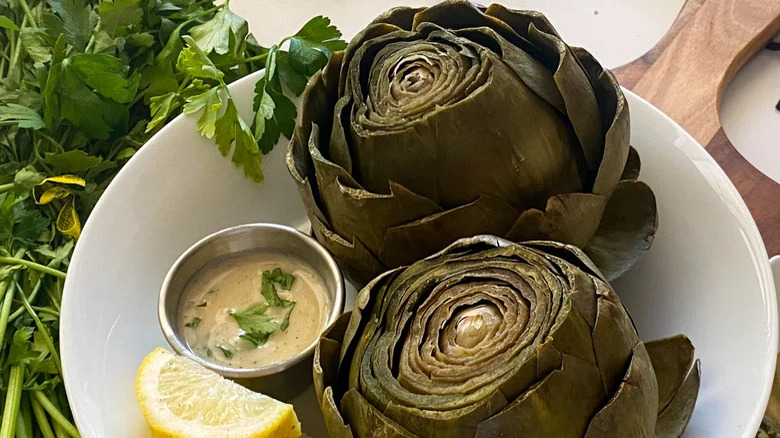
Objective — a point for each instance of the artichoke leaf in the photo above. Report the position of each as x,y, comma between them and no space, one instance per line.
320,97
349,206
672,361
367,420
455,14
633,165
578,95
356,260
626,230
675,417
447,424
530,70
520,21
405,243
615,119
334,423
629,413
338,147
538,413
614,339
572,218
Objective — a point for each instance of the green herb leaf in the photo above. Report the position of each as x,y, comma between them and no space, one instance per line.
290,305
87,111
73,161
228,354
209,102
311,47
256,324
119,13
20,351
21,115
7,23
19,223
268,291
209,353
283,279
257,340
106,75
27,178
230,128
271,122
58,255
161,108
194,62
194,323
74,19
294,80
35,44
215,34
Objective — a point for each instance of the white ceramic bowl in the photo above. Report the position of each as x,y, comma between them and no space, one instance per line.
707,274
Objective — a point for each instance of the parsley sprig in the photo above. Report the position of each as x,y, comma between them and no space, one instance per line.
209,49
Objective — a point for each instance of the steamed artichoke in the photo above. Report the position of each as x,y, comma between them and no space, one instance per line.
445,122
489,338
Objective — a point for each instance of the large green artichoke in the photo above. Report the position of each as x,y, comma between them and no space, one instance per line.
445,122
491,338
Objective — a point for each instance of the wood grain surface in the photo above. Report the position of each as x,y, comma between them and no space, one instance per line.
685,74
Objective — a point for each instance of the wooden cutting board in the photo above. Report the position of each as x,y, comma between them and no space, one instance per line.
685,74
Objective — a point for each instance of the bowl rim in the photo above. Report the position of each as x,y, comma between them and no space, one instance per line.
179,346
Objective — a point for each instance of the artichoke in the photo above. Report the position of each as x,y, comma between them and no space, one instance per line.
450,121
490,338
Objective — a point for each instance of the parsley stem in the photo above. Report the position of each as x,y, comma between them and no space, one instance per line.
40,417
24,420
91,43
17,51
6,187
12,400
28,13
51,140
243,61
18,312
31,265
55,414
7,289
42,330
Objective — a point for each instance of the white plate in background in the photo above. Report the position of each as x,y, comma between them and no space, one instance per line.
615,31
748,114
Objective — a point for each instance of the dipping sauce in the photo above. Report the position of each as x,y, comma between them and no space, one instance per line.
252,309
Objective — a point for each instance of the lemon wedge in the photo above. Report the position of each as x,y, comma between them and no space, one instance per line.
181,399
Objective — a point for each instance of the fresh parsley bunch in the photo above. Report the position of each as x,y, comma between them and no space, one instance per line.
83,85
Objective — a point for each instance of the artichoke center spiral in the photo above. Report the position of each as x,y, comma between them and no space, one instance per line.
475,325
411,78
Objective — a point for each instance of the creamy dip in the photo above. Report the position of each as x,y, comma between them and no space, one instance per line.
224,297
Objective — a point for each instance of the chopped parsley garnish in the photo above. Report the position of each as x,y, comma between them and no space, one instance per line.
228,354
256,322
194,323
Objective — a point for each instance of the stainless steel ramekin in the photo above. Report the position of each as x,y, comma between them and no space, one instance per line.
282,380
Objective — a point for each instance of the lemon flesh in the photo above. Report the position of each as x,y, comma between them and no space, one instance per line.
181,399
